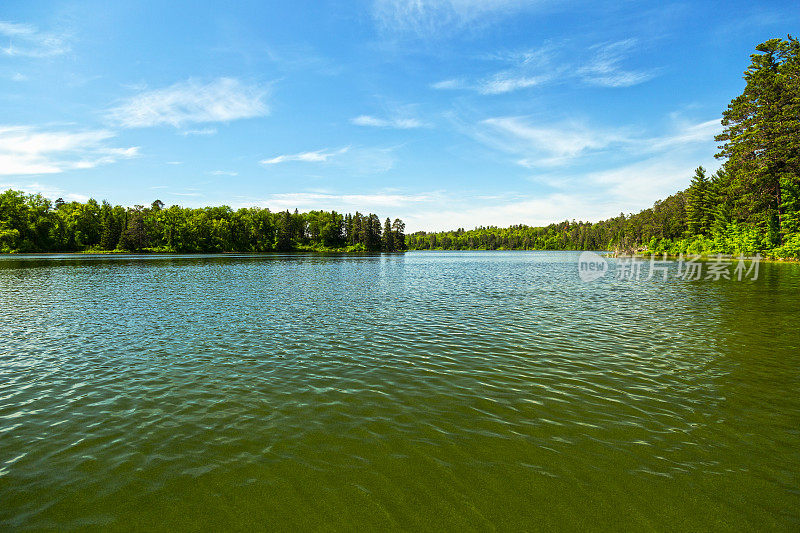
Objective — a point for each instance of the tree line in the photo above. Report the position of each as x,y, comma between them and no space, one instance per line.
751,205
32,223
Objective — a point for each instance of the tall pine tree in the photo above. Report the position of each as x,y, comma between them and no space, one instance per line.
698,204
761,136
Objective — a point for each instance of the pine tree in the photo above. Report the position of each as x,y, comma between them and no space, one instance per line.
698,205
388,237
134,237
761,136
283,241
398,234
374,234
358,230
721,201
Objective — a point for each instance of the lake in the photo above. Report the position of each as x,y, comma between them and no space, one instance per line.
449,390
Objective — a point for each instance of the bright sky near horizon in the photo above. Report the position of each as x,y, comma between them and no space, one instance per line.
449,113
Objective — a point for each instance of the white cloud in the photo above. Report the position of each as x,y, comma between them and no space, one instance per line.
202,131
355,161
27,41
643,182
546,144
28,150
547,65
189,102
604,68
505,82
318,156
562,143
17,76
686,132
396,122
223,173
530,69
433,18
448,84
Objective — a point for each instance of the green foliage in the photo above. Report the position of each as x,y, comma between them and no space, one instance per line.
698,204
29,223
761,137
789,249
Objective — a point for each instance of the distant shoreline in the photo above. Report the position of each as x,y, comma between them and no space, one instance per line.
155,254
607,254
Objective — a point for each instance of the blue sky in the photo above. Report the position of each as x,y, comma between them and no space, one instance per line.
450,113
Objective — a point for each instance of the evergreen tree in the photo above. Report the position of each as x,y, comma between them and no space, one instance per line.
358,230
134,237
372,235
398,235
761,136
283,242
698,204
388,236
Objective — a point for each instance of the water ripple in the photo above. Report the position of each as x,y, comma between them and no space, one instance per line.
425,391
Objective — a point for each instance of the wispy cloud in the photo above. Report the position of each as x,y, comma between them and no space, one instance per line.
605,68
353,160
529,69
643,182
449,84
191,102
537,144
402,123
223,173
17,76
546,144
686,132
27,41
28,150
317,156
435,18
549,65
202,131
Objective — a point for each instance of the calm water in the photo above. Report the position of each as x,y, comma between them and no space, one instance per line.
463,391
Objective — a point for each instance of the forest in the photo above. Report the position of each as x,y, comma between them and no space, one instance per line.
750,205
31,223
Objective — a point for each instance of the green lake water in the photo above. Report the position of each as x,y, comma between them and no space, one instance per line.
425,391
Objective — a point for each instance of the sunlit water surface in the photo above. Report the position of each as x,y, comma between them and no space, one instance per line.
455,391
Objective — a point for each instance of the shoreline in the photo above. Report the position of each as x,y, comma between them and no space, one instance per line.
163,253
342,251
613,255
